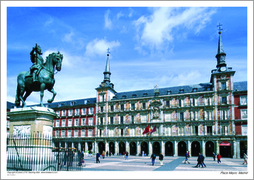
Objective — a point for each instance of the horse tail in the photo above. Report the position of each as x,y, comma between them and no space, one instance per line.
20,83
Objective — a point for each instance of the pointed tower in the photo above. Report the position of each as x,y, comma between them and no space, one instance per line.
104,93
221,55
222,81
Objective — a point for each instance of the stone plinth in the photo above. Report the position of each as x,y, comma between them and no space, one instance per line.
30,140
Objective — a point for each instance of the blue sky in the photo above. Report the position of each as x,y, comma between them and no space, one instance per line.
163,45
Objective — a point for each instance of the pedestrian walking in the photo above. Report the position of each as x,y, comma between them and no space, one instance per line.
213,156
161,159
218,158
65,157
103,154
187,155
245,157
203,159
107,153
126,155
97,158
199,161
153,157
71,158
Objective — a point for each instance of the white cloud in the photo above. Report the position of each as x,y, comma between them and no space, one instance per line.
68,37
120,14
108,22
131,12
99,47
155,30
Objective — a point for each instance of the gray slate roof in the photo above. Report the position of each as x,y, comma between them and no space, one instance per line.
240,86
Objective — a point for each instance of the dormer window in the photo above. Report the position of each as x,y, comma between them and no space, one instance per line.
194,90
208,89
145,95
181,90
168,92
124,97
85,101
156,93
72,103
134,95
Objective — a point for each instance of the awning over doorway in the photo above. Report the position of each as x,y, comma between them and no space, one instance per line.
225,143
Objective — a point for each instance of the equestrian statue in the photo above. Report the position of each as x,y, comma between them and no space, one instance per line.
40,76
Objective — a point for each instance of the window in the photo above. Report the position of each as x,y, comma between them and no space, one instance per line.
56,133
101,121
76,122
181,90
111,120
83,133
90,121
102,109
133,106
143,119
209,130
63,123
57,123
63,112
63,133
90,133
83,122
58,113
90,111
121,119
167,103
69,133
244,130
132,119
168,92
224,100
181,116
243,100
223,85
69,122
122,107
76,112
76,133
244,114
70,112
180,103
144,105
112,108
83,111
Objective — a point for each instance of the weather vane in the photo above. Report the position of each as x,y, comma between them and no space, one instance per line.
219,28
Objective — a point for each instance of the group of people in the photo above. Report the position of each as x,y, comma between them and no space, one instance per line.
153,157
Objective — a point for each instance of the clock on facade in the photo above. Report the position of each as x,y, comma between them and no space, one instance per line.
223,68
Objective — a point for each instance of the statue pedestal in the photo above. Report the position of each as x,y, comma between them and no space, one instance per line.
30,141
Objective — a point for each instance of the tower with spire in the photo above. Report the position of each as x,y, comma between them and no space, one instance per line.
222,82
104,93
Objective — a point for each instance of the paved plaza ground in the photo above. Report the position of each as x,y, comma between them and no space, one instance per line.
137,163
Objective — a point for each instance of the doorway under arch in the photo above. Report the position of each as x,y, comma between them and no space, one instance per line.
121,148
133,148
181,148
156,148
209,148
169,149
101,147
144,147
195,148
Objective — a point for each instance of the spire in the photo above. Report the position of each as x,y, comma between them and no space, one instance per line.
107,72
220,54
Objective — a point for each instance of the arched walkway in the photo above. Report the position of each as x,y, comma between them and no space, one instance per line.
225,149
195,148
181,148
133,148
101,147
169,149
112,147
144,147
209,148
121,148
90,146
156,148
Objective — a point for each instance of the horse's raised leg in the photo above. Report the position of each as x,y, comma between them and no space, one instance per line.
26,95
53,97
42,93
22,90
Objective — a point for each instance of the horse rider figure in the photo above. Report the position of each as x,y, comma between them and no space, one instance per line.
37,61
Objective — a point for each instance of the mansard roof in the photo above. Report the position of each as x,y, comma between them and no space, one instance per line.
70,103
240,86
165,91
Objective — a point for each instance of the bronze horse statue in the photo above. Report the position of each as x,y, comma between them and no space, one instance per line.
46,80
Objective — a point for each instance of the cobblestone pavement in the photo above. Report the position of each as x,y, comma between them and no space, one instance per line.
135,163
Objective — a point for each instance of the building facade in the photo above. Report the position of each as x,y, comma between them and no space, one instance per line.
206,117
